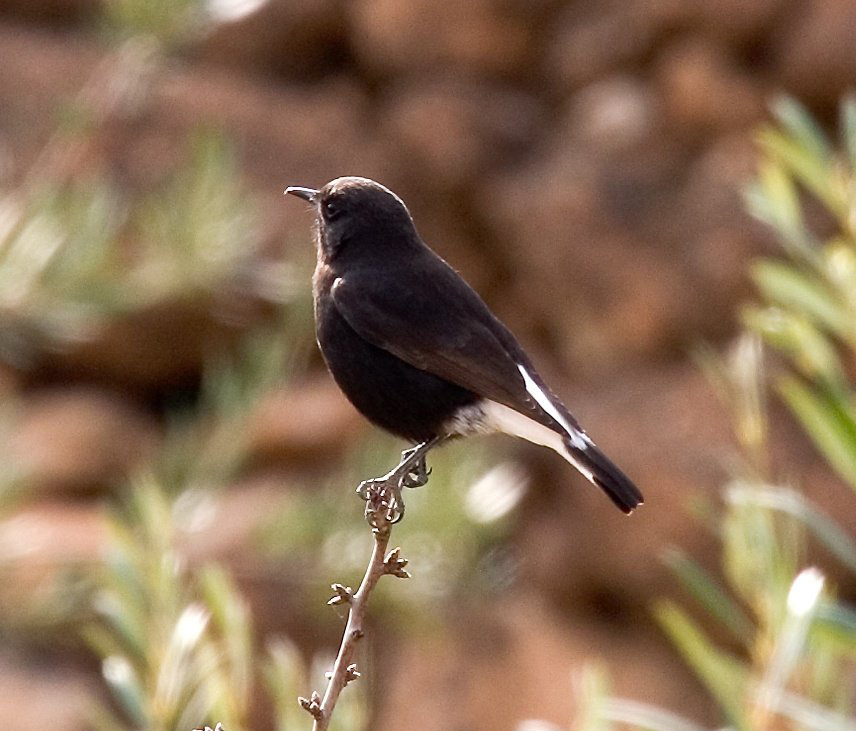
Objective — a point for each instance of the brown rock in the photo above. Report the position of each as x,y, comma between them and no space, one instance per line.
162,345
281,131
74,439
451,130
39,72
305,423
292,40
616,291
713,215
9,382
486,669
39,545
736,23
58,13
668,431
585,49
733,23
704,92
222,526
420,36
814,54
46,693
616,114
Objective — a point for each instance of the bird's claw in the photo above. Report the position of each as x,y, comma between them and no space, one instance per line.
418,475
384,504
416,478
366,487
383,499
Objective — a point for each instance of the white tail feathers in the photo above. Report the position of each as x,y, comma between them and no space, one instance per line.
575,447
508,421
579,439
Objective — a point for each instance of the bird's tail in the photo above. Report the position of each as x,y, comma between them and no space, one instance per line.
601,471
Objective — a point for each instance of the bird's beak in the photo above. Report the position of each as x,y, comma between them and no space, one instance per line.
308,194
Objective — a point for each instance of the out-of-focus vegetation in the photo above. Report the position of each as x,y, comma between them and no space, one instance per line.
175,643
175,638
169,22
777,649
75,254
85,246
809,309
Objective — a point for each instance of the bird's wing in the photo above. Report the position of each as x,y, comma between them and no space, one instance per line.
440,325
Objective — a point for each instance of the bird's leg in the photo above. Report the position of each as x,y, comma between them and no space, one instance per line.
419,472
385,491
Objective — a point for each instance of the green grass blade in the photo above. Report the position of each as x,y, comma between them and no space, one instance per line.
773,199
723,674
848,125
828,422
785,285
836,624
810,716
592,698
710,594
802,128
836,540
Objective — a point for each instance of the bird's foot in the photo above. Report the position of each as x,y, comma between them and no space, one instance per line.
384,505
383,499
418,472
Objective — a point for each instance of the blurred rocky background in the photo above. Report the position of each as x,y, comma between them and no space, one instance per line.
581,164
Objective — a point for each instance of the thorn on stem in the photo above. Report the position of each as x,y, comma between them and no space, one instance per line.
351,673
394,564
341,595
312,705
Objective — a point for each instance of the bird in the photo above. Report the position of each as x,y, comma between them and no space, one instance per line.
417,351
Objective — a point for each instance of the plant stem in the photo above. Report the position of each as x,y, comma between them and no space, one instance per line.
384,508
354,629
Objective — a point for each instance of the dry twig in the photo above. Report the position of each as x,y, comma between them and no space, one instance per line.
384,507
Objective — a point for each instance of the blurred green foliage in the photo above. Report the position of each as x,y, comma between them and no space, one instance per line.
176,640
176,646
451,544
808,310
785,653
80,251
74,254
171,22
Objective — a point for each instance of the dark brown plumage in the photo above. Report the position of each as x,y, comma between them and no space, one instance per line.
416,350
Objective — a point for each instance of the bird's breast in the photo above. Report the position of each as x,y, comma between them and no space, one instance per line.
323,278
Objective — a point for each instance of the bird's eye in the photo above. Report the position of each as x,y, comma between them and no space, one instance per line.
332,210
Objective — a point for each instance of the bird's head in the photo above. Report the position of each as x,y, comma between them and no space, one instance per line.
358,212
